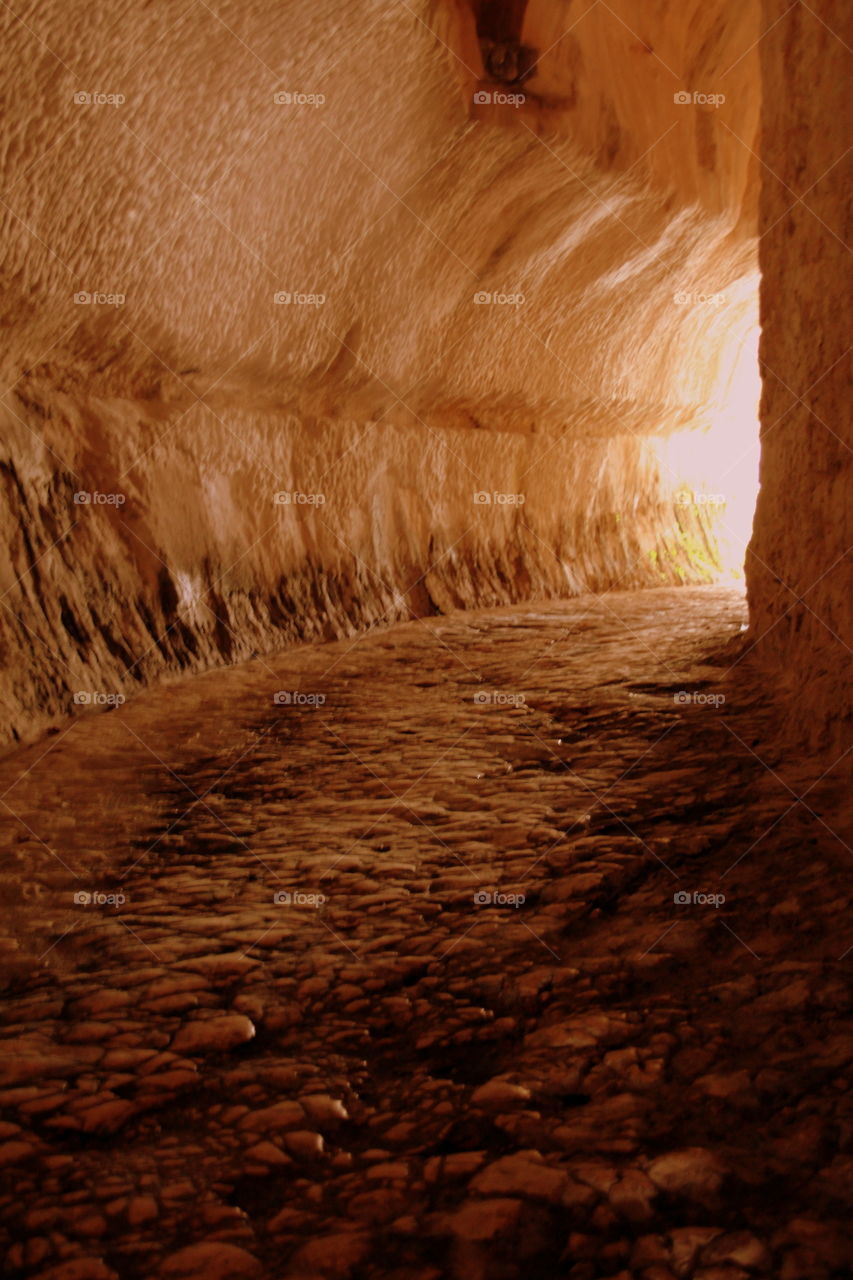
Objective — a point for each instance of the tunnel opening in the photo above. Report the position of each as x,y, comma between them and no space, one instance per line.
608,219
454,887
715,469
708,460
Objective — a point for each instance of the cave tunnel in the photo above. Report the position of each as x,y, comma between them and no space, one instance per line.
425,640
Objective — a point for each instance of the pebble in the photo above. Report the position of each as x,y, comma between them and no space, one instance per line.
479,1220
694,1173
523,1174
141,1209
304,1143
211,1261
213,1035
324,1110
267,1153
497,1095
333,1256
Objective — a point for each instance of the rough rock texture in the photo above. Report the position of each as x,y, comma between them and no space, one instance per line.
615,210
798,572
539,988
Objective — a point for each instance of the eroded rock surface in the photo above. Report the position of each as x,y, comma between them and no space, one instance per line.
354,316
486,1042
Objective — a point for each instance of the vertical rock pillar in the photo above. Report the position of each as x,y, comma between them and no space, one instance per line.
798,565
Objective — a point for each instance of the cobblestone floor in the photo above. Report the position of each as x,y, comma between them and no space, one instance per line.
482,1038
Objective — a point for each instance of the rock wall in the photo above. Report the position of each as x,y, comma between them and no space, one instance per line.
798,568
284,249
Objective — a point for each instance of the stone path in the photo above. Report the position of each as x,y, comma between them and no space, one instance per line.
368,961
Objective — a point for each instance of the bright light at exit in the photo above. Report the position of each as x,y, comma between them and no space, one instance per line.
717,468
